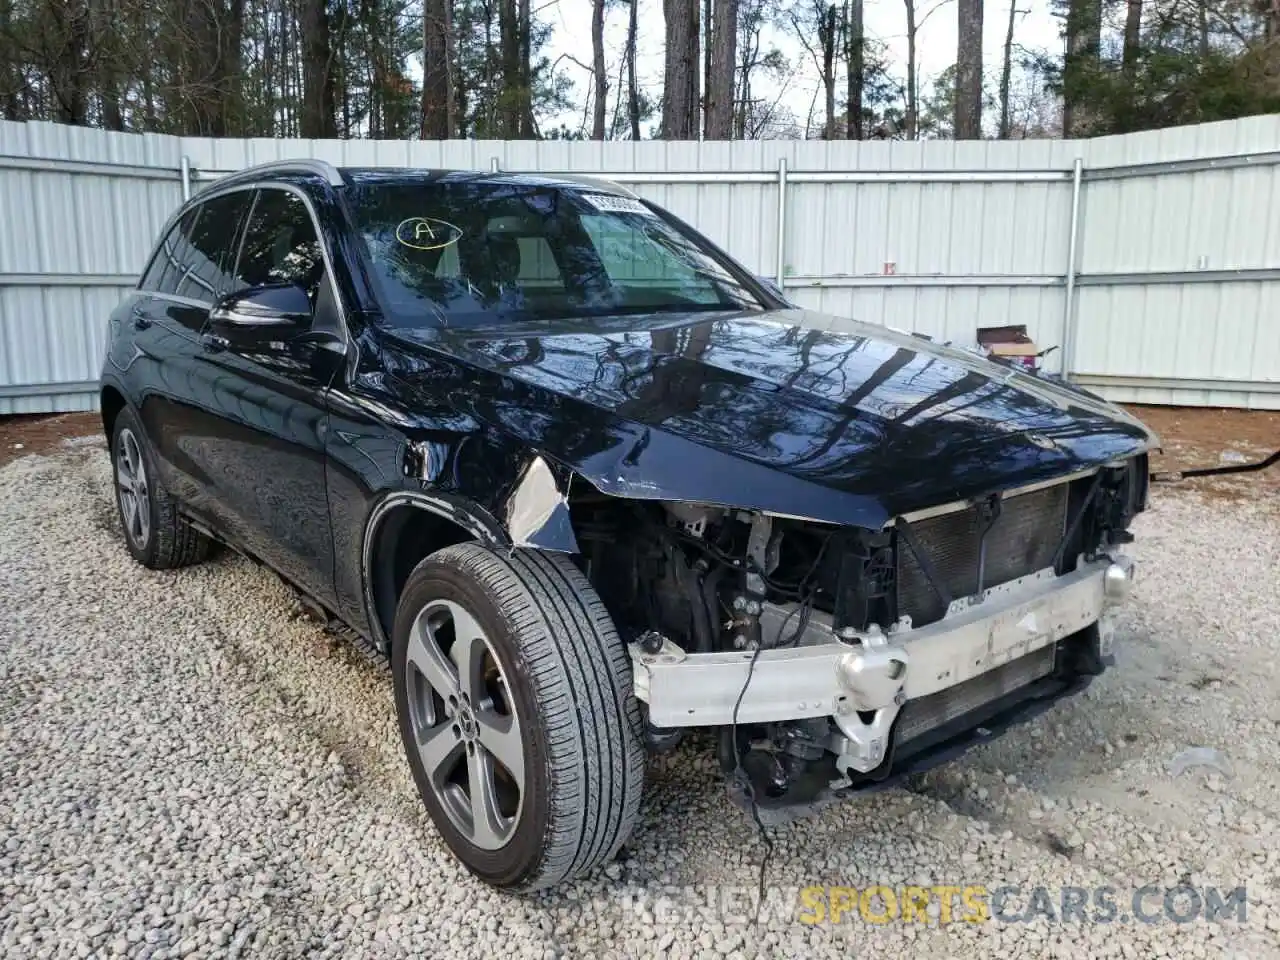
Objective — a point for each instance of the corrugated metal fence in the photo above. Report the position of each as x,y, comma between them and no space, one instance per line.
1153,259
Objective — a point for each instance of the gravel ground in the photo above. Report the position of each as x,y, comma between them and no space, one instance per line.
189,766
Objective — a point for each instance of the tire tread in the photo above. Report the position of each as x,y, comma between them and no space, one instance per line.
582,672
174,542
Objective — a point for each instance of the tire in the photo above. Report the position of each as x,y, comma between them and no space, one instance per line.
554,697
157,536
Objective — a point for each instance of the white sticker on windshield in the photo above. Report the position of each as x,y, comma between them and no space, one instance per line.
612,203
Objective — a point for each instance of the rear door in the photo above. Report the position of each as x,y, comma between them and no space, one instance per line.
266,448
189,271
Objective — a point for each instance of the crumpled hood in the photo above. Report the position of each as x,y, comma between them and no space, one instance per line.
770,411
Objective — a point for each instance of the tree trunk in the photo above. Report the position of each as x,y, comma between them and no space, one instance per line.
230,72
375,70
912,102
453,109
527,128
68,70
342,82
615,121
968,100
742,97
854,44
150,122
109,88
318,104
10,80
108,59
1202,23
1132,35
1006,72
112,117
742,92
704,90
1084,38
489,85
633,85
291,84
680,93
436,92
827,39
269,81
724,58
179,69
508,118
601,83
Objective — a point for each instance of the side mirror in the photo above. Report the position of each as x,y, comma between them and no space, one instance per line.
277,305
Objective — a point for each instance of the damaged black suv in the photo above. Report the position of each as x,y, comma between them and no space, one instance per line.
590,484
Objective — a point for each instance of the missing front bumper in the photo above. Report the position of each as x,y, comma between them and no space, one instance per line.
931,749
863,685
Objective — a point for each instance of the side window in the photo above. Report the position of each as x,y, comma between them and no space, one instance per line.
280,245
212,247
167,266
159,260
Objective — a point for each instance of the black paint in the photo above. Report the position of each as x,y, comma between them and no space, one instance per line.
288,440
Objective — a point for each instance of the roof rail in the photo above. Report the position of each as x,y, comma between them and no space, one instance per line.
320,168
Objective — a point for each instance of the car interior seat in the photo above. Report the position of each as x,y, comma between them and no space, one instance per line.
504,259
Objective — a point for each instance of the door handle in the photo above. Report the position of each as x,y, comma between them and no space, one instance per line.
214,343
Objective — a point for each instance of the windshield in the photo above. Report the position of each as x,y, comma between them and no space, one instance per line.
468,253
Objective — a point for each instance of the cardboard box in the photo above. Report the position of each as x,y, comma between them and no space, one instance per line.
1011,343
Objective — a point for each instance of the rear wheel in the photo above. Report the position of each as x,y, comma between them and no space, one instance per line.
155,533
513,692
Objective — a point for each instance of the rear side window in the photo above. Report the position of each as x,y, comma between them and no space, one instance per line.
280,245
155,269
211,248
167,267
196,255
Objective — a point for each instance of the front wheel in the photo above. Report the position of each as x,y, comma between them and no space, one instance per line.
513,692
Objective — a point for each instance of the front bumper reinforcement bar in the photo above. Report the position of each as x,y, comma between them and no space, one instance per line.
874,673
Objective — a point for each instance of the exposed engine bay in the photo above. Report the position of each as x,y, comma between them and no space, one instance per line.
709,579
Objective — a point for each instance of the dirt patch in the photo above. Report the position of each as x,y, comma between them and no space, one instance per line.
43,433
1193,437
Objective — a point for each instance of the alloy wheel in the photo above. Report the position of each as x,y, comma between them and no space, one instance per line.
465,725
132,488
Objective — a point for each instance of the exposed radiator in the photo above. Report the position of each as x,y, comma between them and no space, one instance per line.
920,716
1023,540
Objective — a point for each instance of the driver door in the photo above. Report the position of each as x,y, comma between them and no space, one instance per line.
266,459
